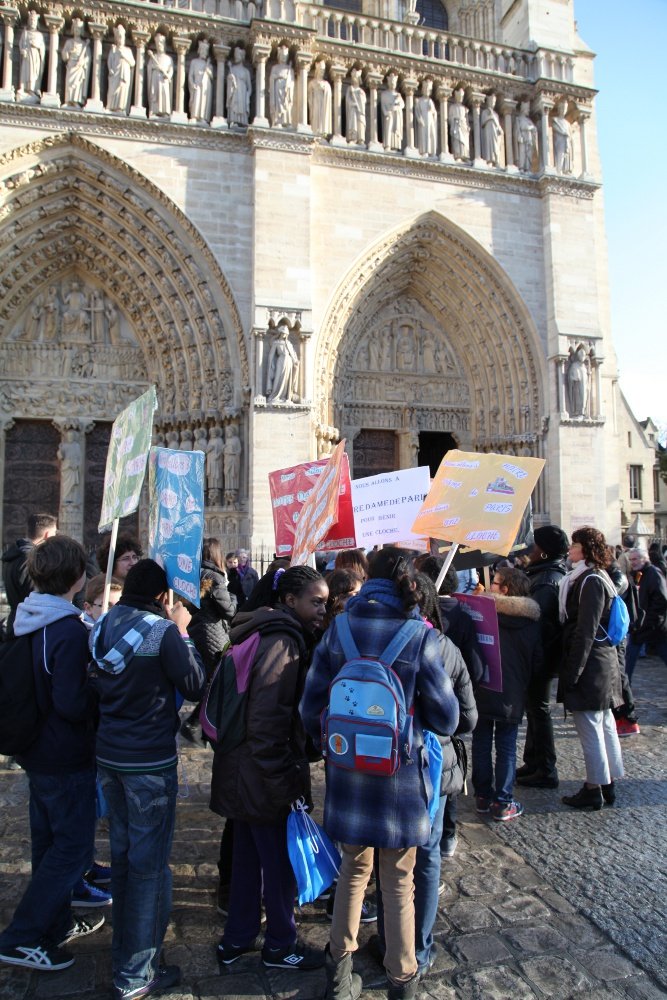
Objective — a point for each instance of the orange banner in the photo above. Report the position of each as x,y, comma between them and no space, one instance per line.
478,500
320,511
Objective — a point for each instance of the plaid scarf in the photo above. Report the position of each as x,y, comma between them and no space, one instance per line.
116,659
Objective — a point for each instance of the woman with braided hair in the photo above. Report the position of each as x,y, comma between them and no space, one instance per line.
255,783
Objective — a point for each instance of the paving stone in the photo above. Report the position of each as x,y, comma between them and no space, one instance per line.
480,948
79,978
578,930
536,939
482,883
555,976
288,985
641,988
471,916
519,907
499,983
233,987
605,964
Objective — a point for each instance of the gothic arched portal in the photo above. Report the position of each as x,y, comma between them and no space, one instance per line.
428,335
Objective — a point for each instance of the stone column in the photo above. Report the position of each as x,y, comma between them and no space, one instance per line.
303,61
584,115
140,39
6,424
374,80
260,53
94,102
305,389
442,95
259,398
544,106
54,23
181,46
478,161
220,52
409,87
337,74
9,18
509,107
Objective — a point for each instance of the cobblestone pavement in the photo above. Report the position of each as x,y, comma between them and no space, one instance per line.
558,904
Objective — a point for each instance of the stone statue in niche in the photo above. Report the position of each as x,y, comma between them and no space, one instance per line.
526,138
391,106
32,52
200,82
239,88
430,355
214,459
319,101
562,131
426,121
160,73
76,56
492,132
577,380
75,314
34,324
97,318
186,439
120,63
281,90
374,348
173,440
282,369
113,321
69,454
232,462
405,350
459,127
51,314
355,110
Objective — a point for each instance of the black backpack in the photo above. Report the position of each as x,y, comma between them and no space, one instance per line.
20,714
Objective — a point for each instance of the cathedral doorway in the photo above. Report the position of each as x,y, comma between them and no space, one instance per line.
374,452
432,447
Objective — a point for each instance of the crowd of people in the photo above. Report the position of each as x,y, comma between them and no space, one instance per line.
111,686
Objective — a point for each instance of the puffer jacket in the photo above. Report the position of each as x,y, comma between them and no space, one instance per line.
258,781
545,578
209,626
451,782
590,676
521,657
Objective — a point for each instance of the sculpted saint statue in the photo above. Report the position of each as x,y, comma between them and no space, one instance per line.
75,314
319,101
283,366
281,90
232,461
239,87
76,56
51,314
392,105
69,454
492,132
459,127
113,320
526,138
355,110
562,140
426,121
160,73
120,63
214,458
577,380
31,51
200,82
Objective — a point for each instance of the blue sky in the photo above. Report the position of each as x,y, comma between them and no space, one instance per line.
630,41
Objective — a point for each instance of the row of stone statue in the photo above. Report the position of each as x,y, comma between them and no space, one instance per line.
72,315
223,457
409,121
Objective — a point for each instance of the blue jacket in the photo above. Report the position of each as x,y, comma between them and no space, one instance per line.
137,689
66,741
372,810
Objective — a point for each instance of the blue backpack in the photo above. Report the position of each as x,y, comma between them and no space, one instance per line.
367,726
619,617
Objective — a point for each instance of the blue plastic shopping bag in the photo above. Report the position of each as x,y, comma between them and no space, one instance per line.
434,750
314,858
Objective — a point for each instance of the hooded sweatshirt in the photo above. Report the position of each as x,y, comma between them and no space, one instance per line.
66,741
140,663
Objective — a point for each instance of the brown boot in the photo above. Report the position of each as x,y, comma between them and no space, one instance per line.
342,982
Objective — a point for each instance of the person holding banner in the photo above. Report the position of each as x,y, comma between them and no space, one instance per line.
500,713
590,677
126,553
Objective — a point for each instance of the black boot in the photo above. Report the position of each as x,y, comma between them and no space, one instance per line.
585,798
609,793
404,991
342,982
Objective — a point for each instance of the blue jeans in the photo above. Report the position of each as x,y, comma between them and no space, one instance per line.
633,650
142,812
482,759
427,881
62,828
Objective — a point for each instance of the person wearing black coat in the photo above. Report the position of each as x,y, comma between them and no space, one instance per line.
651,628
545,570
500,712
590,678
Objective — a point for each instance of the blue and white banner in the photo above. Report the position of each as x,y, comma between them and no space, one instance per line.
176,517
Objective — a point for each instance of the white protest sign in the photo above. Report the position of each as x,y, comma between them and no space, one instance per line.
385,506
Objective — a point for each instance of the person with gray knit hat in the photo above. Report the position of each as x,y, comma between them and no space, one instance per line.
545,569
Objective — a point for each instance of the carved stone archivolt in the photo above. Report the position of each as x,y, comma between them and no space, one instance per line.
102,275
429,316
